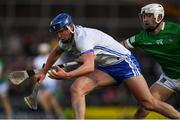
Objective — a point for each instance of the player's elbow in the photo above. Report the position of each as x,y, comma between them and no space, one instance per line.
90,68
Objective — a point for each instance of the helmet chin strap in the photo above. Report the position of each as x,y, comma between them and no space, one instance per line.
153,29
70,29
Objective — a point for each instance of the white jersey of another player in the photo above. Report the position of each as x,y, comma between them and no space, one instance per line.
43,50
106,49
47,83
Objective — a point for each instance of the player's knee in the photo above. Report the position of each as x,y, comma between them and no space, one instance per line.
77,89
74,89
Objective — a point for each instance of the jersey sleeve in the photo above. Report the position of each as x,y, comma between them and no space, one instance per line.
136,40
131,41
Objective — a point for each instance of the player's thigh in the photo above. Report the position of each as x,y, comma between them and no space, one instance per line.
139,88
92,80
160,92
101,78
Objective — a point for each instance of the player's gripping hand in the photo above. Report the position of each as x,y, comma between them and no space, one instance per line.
58,73
39,77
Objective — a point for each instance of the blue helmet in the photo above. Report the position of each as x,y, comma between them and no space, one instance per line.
60,22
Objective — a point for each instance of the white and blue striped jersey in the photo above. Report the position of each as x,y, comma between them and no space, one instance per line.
105,48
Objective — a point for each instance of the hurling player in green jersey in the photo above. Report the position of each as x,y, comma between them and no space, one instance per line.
161,40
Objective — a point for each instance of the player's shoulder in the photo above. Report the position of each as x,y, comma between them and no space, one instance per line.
83,33
170,25
79,32
140,34
138,37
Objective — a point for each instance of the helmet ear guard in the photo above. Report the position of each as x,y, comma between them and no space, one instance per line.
60,22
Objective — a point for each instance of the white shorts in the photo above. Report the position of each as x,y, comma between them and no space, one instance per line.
49,84
3,89
172,84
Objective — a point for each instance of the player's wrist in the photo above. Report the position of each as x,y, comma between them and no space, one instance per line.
70,74
44,71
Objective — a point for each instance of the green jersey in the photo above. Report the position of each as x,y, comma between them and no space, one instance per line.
164,47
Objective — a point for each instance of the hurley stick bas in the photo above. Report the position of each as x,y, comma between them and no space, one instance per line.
31,100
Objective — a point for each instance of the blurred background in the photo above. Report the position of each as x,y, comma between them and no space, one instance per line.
24,26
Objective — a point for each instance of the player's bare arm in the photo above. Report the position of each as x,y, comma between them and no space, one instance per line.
54,55
87,61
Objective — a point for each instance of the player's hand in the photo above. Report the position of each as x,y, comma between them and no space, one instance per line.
39,77
58,73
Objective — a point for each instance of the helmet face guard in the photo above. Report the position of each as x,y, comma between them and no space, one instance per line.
60,22
56,28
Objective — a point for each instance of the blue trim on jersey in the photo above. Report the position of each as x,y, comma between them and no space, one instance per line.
131,64
124,70
110,51
91,50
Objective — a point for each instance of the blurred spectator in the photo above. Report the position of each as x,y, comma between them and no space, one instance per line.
3,93
14,45
49,86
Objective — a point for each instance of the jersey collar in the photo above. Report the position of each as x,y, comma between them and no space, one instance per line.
163,25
